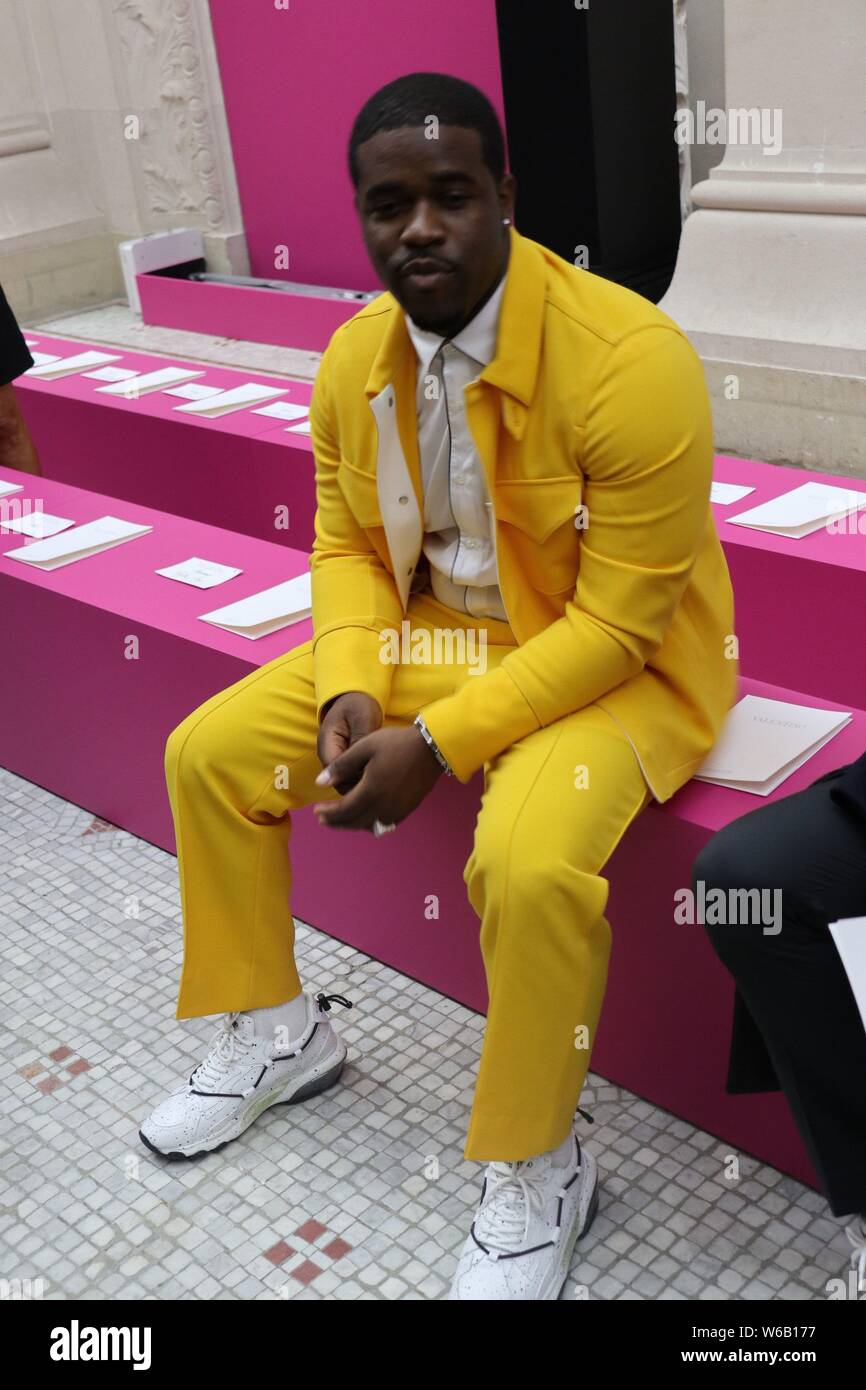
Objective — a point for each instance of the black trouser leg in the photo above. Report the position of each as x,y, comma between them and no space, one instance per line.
792,986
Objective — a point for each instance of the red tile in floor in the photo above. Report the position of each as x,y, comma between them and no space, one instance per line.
32,1069
279,1252
306,1273
60,1054
311,1230
336,1248
97,825
77,1067
49,1084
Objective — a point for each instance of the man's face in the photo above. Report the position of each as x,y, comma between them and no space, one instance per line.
431,214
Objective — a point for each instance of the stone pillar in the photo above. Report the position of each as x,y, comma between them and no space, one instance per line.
770,282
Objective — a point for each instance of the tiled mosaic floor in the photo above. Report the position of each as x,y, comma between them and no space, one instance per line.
330,1199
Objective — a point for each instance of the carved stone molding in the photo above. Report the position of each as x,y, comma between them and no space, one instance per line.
162,44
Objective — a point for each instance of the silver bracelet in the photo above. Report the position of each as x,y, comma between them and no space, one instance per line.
432,745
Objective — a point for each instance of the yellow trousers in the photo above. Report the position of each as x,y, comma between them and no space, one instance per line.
554,807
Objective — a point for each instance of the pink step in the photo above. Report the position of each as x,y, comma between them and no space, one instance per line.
256,315
798,602
95,731
230,472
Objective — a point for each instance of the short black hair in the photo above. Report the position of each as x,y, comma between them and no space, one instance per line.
409,100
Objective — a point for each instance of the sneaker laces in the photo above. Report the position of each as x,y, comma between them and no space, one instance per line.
511,1196
228,1048
856,1234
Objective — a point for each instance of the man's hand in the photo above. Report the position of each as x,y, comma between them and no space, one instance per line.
347,718
390,772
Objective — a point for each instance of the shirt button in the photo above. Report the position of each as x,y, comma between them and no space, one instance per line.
403,500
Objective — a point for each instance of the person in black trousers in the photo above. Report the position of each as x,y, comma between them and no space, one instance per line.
796,1025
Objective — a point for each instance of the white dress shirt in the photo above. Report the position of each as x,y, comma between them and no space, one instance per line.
459,536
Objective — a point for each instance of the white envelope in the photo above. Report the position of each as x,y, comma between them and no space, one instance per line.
6,488
299,429
268,611
112,374
763,741
238,398
725,493
849,935
67,366
39,524
203,574
284,410
149,381
81,541
193,391
41,358
803,510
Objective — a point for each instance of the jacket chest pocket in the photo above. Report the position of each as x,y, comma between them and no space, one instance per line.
362,495
545,514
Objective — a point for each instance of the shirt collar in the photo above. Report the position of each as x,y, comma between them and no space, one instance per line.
477,339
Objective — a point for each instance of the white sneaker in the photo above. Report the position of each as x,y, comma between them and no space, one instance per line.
529,1218
242,1075
856,1234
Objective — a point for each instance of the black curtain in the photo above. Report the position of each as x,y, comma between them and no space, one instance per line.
590,103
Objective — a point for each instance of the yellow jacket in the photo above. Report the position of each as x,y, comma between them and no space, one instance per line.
595,399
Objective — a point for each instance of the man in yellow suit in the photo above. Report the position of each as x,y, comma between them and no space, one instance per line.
517,451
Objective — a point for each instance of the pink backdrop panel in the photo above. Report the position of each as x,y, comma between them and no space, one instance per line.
295,79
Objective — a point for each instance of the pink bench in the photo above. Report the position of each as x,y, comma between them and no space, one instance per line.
231,472
95,734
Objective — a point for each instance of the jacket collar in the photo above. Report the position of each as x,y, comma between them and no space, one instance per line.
514,369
